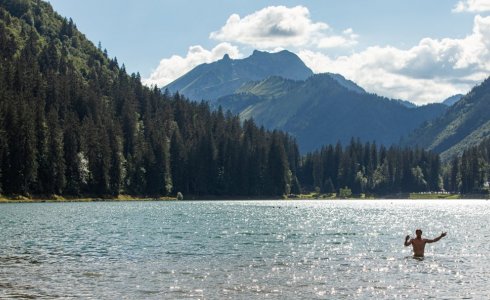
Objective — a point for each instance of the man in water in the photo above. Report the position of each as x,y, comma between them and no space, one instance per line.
418,243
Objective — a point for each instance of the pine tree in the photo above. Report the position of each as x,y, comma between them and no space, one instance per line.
178,163
56,161
278,169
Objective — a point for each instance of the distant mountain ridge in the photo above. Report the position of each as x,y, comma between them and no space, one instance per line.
225,76
405,103
452,100
465,124
348,84
320,111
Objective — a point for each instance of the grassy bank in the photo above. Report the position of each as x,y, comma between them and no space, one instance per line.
330,196
434,196
413,196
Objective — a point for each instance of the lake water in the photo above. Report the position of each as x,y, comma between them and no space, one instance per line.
243,250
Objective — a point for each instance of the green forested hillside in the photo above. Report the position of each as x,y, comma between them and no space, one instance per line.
73,122
465,124
321,111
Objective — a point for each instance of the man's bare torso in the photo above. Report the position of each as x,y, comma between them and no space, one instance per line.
418,246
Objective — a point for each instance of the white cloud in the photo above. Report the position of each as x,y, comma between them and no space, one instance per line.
172,68
281,27
428,72
348,39
474,6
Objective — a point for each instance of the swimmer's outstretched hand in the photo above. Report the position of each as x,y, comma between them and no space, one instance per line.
443,234
407,238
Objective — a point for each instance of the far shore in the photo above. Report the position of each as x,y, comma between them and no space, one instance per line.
122,198
59,199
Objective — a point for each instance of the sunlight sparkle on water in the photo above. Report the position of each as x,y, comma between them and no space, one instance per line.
243,249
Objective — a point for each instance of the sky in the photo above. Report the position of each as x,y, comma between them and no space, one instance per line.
421,51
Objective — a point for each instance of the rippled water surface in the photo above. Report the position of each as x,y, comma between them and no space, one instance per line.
243,250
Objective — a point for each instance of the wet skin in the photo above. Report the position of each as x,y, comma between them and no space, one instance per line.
419,243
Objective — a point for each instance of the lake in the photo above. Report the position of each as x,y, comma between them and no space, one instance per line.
244,250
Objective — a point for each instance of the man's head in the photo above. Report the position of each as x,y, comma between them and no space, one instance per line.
418,232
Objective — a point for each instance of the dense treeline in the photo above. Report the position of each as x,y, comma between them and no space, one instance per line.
470,173
73,122
367,168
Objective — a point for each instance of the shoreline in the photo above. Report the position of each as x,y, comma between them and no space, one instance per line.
60,199
126,198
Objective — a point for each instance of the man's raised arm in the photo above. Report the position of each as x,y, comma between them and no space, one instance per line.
407,242
437,238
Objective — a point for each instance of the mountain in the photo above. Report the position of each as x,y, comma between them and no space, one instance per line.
464,124
228,76
348,84
225,76
452,100
405,103
320,111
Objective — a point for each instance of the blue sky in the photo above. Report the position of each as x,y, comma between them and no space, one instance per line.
419,50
